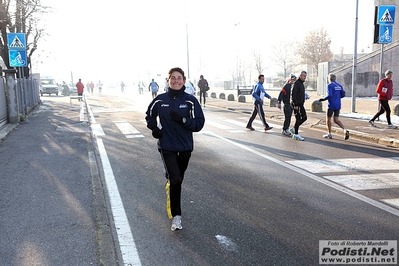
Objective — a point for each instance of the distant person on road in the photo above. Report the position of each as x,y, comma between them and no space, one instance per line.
298,100
91,87
259,94
285,97
204,87
385,92
154,88
166,85
179,115
100,86
141,87
189,87
335,92
80,88
122,86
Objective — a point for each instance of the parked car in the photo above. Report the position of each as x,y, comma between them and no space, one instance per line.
72,88
48,85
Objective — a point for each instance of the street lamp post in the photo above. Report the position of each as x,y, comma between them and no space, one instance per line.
354,70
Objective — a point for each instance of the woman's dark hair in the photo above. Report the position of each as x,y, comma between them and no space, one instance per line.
175,69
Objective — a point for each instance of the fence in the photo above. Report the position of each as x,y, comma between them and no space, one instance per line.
27,98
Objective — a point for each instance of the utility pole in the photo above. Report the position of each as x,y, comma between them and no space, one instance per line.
354,70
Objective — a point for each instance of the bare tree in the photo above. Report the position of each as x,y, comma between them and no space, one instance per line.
316,48
258,62
24,19
284,56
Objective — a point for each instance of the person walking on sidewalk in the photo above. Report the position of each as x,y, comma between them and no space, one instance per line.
335,92
385,92
204,87
259,94
285,96
179,115
298,100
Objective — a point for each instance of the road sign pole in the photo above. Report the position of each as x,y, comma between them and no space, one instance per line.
354,70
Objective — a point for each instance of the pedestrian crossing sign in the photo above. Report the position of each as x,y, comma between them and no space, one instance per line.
16,41
386,15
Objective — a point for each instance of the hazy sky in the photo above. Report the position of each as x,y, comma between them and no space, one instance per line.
130,40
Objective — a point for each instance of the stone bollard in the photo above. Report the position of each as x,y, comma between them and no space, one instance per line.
317,106
241,98
396,109
213,95
222,96
273,102
230,97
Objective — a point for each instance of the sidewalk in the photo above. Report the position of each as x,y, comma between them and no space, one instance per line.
48,206
356,123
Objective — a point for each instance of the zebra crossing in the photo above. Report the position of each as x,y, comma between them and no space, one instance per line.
357,174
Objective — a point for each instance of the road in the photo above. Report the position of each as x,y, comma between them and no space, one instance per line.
249,198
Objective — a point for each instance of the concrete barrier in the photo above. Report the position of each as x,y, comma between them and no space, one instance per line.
396,109
273,102
317,106
230,98
222,96
241,99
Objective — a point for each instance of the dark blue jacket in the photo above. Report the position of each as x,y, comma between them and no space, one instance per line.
175,136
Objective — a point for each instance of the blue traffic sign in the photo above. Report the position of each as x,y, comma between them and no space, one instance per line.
16,41
17,58
386,15
385,35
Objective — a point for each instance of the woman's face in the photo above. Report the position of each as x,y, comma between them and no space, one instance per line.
176,81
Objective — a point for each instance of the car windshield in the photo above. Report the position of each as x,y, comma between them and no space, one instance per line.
48,82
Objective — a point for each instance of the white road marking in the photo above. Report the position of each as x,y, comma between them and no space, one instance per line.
393,202
125,238
346,165
337,187
127,246
97,130
126,128
217,125
367,181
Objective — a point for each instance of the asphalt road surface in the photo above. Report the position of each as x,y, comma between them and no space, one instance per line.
249,197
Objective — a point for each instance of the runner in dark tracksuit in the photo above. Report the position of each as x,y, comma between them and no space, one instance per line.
259,94
285,97
180,115
298,100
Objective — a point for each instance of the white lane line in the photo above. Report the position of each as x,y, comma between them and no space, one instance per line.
347,165
97,130
367,181
127,246
312,176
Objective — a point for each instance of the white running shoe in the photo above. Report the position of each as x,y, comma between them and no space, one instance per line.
176,223
371,123
391,126
287,132
297,137
327,136
292,131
